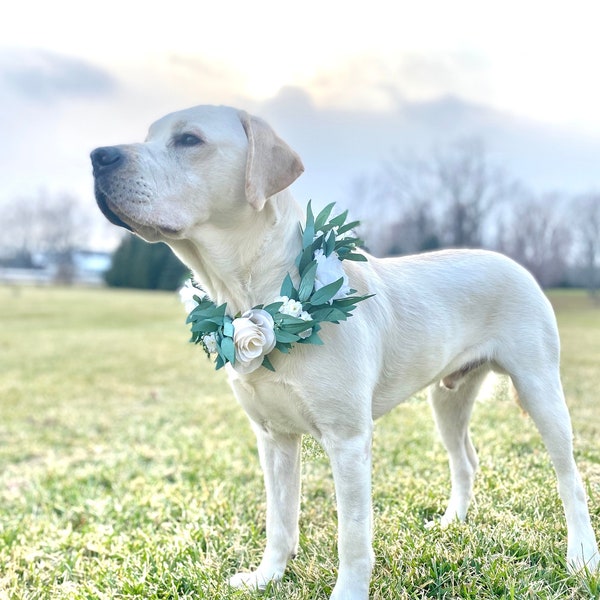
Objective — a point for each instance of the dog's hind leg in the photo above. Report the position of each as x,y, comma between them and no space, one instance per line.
541,395
452,403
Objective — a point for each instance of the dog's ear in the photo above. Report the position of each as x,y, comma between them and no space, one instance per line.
271,165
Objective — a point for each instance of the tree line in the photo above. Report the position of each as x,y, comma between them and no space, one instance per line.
52,228
456,197
453,197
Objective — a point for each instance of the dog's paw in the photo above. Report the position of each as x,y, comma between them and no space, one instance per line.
254,580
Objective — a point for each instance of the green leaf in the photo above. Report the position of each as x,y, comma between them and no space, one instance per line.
347,227
307,283
267,364
309,229
355,257
283,347
204,327
283,336
347,244
351,300
287,287
298,327
228,329
323,216
339,220
313,338
329,243
329,314
228,350
305,259
274,307
327,292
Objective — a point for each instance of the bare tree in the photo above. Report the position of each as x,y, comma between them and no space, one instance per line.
535,232
445,199
51,225
470,187
586,225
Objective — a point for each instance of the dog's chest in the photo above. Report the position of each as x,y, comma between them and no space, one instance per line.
274,406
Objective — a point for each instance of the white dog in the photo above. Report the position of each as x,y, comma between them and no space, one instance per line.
211,183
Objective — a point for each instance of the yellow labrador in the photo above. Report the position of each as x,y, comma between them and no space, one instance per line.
212,183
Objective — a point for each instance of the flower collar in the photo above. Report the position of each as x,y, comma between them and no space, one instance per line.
295,316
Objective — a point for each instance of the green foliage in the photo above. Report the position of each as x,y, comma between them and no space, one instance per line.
318,305
138,264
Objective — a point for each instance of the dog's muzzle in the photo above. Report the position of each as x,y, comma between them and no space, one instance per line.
104,161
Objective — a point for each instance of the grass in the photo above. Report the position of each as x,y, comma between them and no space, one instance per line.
127,470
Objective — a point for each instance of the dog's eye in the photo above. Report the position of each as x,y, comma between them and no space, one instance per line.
187,139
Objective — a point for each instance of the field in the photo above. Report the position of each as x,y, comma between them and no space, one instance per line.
127,470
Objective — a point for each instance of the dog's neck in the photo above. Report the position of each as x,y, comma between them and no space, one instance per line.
246,264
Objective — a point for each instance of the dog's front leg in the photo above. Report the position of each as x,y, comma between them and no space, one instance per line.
280,457
351,464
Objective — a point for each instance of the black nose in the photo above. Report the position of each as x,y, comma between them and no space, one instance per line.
105,159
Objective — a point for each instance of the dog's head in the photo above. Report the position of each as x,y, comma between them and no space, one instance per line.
204,164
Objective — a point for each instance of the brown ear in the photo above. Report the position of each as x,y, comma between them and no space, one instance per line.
271,165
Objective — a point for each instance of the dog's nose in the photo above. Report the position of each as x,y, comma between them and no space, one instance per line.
106,159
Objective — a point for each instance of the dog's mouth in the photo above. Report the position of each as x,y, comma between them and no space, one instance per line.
102,202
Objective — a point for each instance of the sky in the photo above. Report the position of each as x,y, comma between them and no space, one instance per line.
347,84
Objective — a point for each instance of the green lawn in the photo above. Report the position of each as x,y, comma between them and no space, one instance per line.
128,470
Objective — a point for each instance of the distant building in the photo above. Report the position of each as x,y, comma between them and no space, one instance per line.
83,267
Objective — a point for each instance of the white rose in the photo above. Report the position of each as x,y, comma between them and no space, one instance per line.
253,338
329,269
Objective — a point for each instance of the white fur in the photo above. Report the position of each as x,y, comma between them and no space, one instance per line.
442,320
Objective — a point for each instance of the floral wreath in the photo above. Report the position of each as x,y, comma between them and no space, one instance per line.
295,317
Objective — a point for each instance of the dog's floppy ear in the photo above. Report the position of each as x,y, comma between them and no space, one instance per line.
271,165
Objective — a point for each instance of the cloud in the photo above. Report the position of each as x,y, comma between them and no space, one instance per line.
44,76
338,145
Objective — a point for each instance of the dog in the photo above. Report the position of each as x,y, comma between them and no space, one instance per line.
212,182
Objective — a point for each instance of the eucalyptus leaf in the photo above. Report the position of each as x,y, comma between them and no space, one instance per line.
339,220
307,283
356,257
283,347
228,329
309,229
267,364
313,338
274,307
323,216
330,315
204,327
347,227
284,336
327,292
228,349
287,287
305,258
329,243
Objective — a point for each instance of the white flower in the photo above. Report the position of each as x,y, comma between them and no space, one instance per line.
305,317
329,269
210,342
186,294
253,337
291,307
